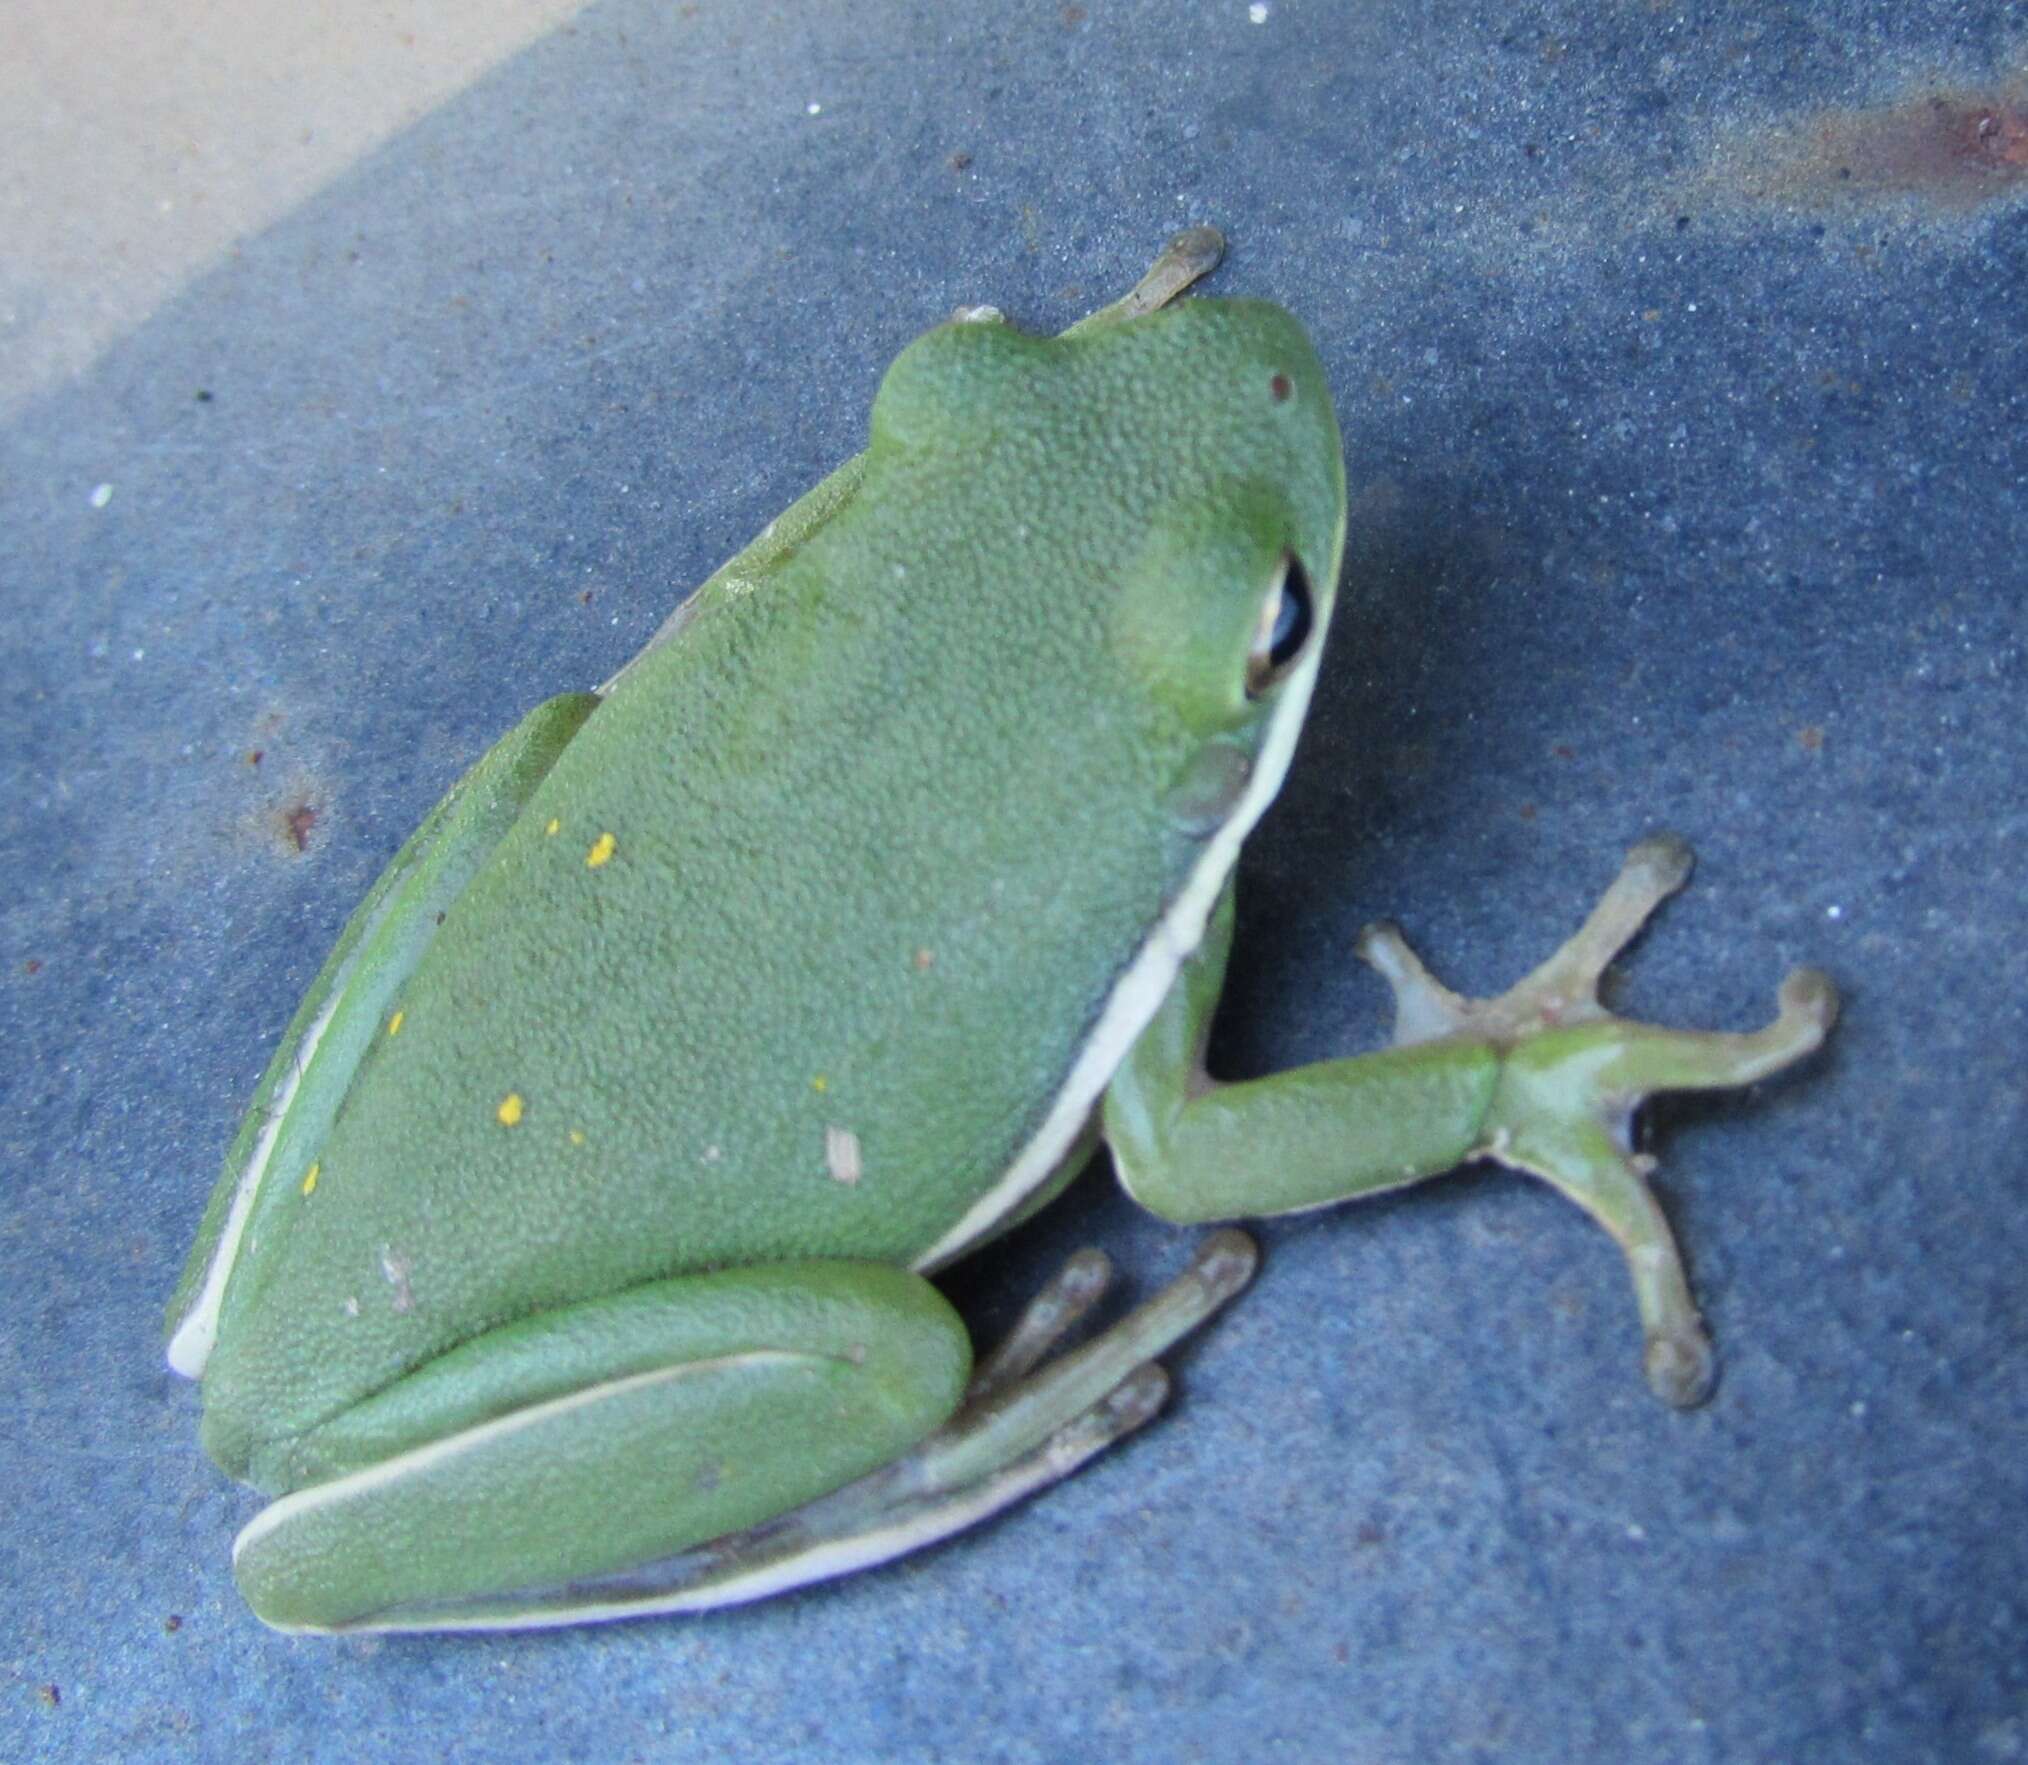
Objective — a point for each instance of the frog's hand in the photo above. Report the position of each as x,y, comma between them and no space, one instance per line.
347,1006
1543,1079
701,1441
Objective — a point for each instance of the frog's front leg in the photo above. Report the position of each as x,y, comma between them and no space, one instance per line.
1543,1079
697,1442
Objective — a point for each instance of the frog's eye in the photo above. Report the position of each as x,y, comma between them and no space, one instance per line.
1288,613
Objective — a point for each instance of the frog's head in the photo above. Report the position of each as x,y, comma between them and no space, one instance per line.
1220,609
1159,504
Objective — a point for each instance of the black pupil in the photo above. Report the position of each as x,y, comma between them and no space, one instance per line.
1292,617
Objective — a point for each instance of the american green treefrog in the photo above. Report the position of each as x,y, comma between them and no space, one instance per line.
572,1260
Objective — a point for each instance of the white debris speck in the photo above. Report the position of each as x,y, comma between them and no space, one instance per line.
814,109
101,495
841,1155
395,1268
1257,14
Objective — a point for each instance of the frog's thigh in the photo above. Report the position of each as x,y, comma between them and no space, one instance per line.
604,1435
1191,1149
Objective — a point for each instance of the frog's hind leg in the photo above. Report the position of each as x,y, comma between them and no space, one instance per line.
702,1441
1026,1422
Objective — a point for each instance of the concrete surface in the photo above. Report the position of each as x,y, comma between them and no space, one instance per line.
145,142
1680,357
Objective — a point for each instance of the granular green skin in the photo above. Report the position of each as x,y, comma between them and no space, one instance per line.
861,852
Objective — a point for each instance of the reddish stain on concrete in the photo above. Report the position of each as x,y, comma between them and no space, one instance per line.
296,820
1950,150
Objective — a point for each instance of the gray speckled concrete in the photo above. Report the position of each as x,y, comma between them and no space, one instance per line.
1686,431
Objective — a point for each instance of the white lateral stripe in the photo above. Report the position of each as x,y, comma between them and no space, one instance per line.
190,1347
947,1515
421,1460
1138,994
197,1334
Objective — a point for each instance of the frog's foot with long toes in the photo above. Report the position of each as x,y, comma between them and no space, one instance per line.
1574,1075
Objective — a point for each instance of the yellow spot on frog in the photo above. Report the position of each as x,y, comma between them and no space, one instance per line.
510,1109
310,1179
820,1084
602,849
394,1023
577,1136
555,826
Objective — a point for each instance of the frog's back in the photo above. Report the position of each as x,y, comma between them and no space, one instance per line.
796,947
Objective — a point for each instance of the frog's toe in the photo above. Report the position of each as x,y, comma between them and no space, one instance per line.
1654,869
1647,1058
1424,1008
1681,1368
1565,988
1018,1397
1027,1421
1044,1322
1809,997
